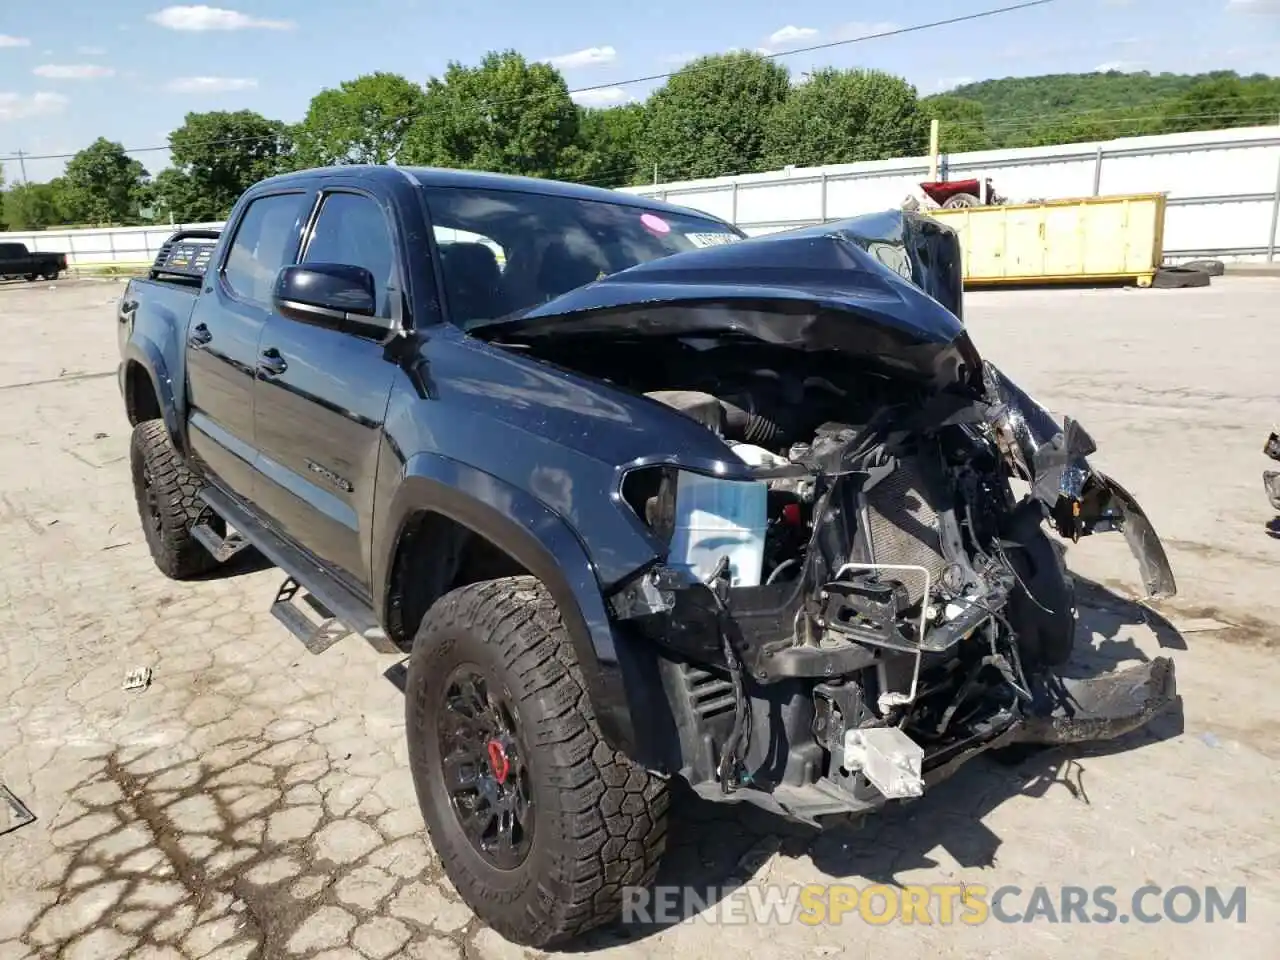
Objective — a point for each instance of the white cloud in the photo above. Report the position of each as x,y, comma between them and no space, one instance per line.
211,84
601,97
679,59
72,71
8,41
950,83
1119,66
199,18
91,51
858,29
590,57
1254,6
14,106
791,34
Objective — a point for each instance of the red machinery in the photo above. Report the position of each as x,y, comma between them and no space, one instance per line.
961,193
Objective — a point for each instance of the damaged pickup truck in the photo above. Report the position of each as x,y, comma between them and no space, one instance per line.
641,497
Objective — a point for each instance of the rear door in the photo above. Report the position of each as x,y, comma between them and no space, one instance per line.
322,396
222,338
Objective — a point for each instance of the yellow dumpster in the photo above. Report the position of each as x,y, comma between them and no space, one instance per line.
1092,238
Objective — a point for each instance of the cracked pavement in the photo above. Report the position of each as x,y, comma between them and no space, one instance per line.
254,800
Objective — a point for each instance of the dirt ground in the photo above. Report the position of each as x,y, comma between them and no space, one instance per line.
254,799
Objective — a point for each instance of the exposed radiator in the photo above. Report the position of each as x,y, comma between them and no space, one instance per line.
903,528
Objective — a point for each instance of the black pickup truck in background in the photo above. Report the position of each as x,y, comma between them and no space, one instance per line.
641,498
17,261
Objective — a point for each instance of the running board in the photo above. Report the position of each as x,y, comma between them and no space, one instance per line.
316,637
328,597
222,548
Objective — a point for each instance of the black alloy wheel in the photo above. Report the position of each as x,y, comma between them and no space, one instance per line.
484,766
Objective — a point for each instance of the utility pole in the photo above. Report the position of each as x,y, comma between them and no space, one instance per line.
933,150
655,174
22,167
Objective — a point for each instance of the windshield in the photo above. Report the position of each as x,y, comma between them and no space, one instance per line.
502,252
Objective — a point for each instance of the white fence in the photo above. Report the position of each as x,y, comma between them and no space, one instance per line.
1223,188
105,245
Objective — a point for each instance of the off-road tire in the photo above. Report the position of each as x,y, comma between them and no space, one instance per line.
601,820
178,506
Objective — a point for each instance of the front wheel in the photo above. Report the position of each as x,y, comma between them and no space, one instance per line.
538,822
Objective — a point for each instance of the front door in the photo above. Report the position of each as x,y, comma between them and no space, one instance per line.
223,334
322,398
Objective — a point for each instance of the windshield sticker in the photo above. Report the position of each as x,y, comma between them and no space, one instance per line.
710,239
655,223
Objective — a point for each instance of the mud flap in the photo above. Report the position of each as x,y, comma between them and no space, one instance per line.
1102,707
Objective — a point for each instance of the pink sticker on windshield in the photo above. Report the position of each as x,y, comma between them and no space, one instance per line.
655,223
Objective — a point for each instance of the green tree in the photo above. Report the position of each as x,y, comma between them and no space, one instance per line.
840,116
104,184
711,117
176,197
611,143
220,155
1224,101
365,120
31,206
962,123
507,115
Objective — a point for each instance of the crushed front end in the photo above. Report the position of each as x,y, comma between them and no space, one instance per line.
894,608
907,615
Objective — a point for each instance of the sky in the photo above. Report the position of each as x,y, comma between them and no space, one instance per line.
130,70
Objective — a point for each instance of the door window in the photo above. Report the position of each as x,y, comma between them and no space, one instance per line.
263,244
352,230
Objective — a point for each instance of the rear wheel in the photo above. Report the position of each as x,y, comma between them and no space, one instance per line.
51,274
539,824
962,200
169,504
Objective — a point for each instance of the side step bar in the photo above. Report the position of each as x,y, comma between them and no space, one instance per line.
330,599
222,548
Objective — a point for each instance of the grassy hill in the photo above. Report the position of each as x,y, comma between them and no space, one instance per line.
1070,107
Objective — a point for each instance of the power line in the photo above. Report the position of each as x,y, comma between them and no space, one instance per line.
895,32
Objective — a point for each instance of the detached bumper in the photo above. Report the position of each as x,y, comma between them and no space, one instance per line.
1078,711
1102,707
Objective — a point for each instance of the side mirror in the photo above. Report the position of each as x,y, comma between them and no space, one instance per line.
326,294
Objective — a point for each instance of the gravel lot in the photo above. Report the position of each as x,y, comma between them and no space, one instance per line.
254,800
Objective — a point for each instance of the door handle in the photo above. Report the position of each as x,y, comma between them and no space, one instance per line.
200,336
271,363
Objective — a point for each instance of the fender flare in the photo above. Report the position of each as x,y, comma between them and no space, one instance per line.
150,358
545,545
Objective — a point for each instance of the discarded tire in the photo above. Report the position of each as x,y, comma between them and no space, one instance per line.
1214,268
1171,278
962,200
538,822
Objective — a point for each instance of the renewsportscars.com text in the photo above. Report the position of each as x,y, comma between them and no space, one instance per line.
927,904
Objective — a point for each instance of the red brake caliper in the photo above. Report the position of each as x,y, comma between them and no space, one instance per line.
498,761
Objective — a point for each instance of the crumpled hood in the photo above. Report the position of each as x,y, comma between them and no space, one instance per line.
885,286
